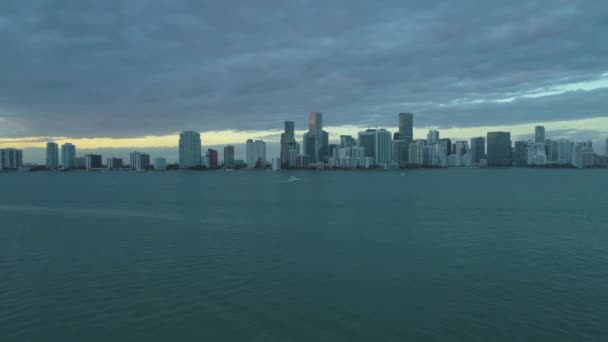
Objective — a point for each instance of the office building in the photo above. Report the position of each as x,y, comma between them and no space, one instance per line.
68,156
415,154
92,161
275,165
461,148
539,134
140,161
316,140
400,152
564,148
256,154
114,163
432,137
347,141
212,157
367,140
499,149
160,164
536,153
52,155
229,157
429,157
520,153
478,149
406,127
288,141
383,146
189,149
11,159
444,147
292,159
552,150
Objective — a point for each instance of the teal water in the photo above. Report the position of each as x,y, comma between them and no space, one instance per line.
432,255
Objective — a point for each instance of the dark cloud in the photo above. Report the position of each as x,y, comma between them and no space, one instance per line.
130,68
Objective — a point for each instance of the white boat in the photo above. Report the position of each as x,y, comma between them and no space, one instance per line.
293,179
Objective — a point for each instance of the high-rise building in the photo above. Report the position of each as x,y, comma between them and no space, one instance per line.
68,156
406,127
316,140
288,142
478,149
461,148
212,157
445,147
292,159
52,155
189,149
92,161
552,150
11,159
539,134
256,153
564,148
347,141
114,163
383,146
228,157
400,152
367,140
499,149
139,161
536,153
520,153
415,154
160,164
432,137
80,163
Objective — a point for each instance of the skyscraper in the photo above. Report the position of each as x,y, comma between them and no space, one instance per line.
68,156
228,157
92,161
367,140
539,134
256,153
11,159
316,139
189,149
478,149
288,142
139,161
461,148
212,155
406,127
520,153
52,155
499,149
383,146
432,137
347,141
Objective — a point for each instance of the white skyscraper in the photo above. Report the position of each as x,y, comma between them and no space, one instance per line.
139,161
189,149
52,155
256,153
11,159
68,156
564,151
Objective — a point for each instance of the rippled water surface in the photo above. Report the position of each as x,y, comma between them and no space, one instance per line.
435,255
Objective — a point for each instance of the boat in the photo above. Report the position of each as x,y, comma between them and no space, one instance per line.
293,179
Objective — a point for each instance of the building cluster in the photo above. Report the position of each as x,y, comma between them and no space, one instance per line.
371,148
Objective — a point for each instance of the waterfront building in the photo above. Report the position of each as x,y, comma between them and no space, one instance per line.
303,161
520,153
406,127
292,158
92,161
564,148
552,150
52,155
432,137
400,151
429,156
160,164
189,149
212,157
415,154
461,148
229,157
68,156
347,141
275,164
383,146
288,141
139,161
11,159
114,163
478,149
367,140
536,153
539,134
499,149
316,140
256,154
80,163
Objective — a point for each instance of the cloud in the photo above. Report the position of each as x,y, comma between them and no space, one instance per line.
114,68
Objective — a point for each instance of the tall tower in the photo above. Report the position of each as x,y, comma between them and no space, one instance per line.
52,155
539,134
189,149
499,149
406,127
315,144
288,142
68,156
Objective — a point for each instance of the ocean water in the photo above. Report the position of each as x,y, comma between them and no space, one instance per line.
424,255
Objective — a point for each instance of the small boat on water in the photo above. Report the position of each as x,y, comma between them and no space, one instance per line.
293,179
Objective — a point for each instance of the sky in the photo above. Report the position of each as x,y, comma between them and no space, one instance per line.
115,75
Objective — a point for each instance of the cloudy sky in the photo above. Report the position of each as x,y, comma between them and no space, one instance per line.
121,74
